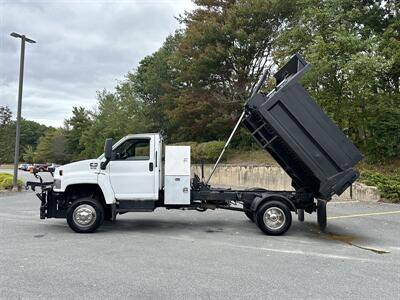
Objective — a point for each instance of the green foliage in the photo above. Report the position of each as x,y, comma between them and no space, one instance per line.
52,147
29,154
118,114
207,152
388,185
354,48
6,181
5,115
30,134
7,143
152,84
194,87
225,47
75,127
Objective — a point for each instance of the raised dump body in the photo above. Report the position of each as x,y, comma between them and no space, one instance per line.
300,136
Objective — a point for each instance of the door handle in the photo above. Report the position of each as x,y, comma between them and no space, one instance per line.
151,167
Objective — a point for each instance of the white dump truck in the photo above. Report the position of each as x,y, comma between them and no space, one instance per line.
140,174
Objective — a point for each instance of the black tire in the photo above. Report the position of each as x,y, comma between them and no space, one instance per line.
279,210
300,215
86,205
248,214
321,214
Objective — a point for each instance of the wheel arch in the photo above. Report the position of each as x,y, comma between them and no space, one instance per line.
272,197
80,190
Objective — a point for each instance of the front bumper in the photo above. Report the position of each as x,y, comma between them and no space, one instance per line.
52,204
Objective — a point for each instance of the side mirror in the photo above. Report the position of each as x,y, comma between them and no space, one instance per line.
108,149
107,153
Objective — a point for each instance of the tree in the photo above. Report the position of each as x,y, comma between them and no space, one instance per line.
31,132
5,115
29,154
7,135
355,77
116,115
152,81
52,147
225,48
76,125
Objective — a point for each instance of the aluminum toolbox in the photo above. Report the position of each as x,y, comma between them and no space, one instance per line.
177,175
300,136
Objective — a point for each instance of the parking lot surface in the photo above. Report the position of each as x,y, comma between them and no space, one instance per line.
188,254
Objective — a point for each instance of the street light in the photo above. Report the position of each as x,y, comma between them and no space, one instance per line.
21,82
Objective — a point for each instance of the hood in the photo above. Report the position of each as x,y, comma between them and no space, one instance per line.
88,165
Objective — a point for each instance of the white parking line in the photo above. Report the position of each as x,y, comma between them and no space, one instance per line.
300,252
344,202
366,215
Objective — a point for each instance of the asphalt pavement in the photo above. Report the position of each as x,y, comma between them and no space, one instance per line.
193,255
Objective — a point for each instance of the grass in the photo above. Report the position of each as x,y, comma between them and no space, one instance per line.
6,166
6,181
390,168
250,157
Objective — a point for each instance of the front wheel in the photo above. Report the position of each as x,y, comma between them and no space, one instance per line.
273,218
85,215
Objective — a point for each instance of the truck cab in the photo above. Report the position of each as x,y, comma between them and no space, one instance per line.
134,171
135,177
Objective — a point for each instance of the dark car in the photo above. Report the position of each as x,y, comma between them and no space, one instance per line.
24,167
41,167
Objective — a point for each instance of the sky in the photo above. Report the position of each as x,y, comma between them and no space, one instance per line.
82,47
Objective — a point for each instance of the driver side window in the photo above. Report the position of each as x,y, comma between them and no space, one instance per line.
133,149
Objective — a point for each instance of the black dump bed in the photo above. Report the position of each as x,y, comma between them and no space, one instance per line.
300,136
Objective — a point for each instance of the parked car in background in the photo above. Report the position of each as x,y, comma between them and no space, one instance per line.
41,167
52,167
24,167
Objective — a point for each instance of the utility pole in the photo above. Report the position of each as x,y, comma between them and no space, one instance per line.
21,83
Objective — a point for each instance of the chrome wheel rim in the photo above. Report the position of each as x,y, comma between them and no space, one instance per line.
84,215
274,218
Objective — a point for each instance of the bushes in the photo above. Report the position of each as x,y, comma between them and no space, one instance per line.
6,181
388,185
207,152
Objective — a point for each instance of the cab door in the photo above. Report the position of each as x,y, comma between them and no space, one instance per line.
131,169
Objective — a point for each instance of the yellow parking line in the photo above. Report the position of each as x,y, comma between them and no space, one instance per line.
366,215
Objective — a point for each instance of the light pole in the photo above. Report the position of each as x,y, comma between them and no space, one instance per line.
21,82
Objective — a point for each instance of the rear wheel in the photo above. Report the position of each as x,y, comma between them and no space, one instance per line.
85,215
273,218
321,214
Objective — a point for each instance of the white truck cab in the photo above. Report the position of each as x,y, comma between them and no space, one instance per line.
134,172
